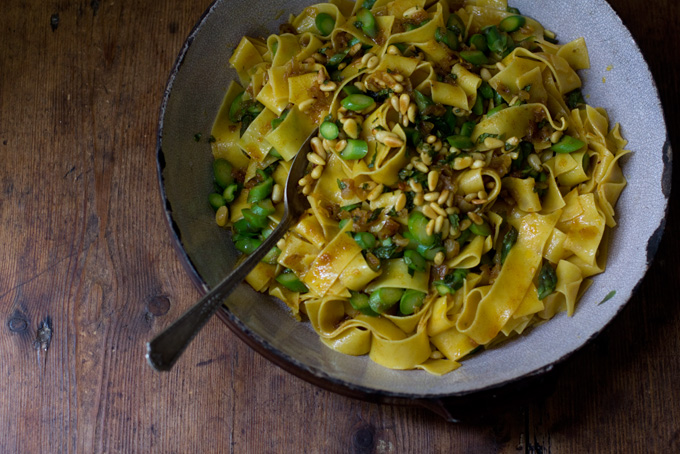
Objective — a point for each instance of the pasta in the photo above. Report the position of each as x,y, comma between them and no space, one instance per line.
460,188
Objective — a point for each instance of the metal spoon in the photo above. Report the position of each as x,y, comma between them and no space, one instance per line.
166,348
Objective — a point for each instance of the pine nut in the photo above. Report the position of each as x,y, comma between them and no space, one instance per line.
445,229
307,189
360,85
411,11
351,128
340,145
419,199
432,180
430,227
404,101
431,196
426,158
400,204
277,193
304,181
411,112
421,167
478,164
366,57
462,163
438,145
485,74
438,224
315,159
393,50
500,66
474,217
317,145
394,101
443,197
431,139
439,258
492,142
534,161
221,215
373,62
398,77
429,212
328,147
376,192
306,104
437,209
316,172
388,138
512,142
417,187
397,88
328,86
354,49
281,244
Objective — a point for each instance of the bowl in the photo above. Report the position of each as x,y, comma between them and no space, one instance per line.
619,80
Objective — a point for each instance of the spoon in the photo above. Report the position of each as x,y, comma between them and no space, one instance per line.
166,348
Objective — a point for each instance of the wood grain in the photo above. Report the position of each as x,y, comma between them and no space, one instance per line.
85,260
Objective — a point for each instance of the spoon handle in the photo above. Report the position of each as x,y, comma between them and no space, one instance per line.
164,350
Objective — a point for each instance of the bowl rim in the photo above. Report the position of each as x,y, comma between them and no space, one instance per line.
318,377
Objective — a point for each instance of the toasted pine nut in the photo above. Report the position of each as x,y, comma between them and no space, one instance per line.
307,189
366,57
500,66
512,142
429,212
304,181
376,192
373,62
306,104
474,217
400,204
281,244
426,158
431,139
431,196
438,224
221,215
404,121
492,142
464,224
535,162
315,159
317,145
430,227
411,112
398,77
432,179
445,228
393,50
419,200
417,187
277,193
437,145
439,258
411,11
443,197
462,163
394,101
351,128
342,66
485,74
328,86
388,138
340,145
421,166
439,210
404,100
354,49
478,164
316,172
397,88
360,85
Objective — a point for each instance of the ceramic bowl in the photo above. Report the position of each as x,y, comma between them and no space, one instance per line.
619,80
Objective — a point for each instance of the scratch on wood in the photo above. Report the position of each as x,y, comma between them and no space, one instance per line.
204,363
42,341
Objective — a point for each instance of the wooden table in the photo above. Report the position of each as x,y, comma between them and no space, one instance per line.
88,275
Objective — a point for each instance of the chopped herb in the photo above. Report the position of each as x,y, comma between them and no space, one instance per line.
341,184
547,280
375,214
484,136
386,252
351,207
372,163
609,296
575,99
527,88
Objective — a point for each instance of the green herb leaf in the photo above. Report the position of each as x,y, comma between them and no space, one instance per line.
609,296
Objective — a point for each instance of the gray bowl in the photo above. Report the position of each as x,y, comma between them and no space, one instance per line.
194,92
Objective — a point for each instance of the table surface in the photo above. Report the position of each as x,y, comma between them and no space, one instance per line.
88,275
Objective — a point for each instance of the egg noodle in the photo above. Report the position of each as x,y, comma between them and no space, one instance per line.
461,189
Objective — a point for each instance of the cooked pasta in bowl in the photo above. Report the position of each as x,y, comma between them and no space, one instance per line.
463,180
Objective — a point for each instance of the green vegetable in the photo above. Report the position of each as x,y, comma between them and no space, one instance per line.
255,220
355,149
337,58
263,208
422,101
512,23
368,24
275,47
325,23
289,280
222,172
261,190
414,260
230,192
467,128
359,301
329,130
365,240
242,227
460,141
609,296
417,226
272,256
476,57
567,144
486,91
384,298
547,280
455,24
481,230
478,107
451,282
216,200
247,245
496,109
513,10
351,90
410,301
343,223
448,37
357,102
575,99
478,41
277,121
509,240
236,108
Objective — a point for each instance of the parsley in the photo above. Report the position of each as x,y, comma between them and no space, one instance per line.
375,214
609,296
386,252
575,99
372,163
484,136
351,207
342,185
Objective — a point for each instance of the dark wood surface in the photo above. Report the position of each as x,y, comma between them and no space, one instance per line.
88,275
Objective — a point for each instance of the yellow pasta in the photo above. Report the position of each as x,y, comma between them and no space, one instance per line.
460,188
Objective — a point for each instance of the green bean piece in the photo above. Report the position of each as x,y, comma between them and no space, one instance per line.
585,162
478,41
368,24
275,47
467,128
337,58
482,229
242,227
451,282
497,98
513,10
547,280
329,130
464,237
263,208
236,108
441,288
496,109
325,23
460,141
442,35
230,192
413,136
568,144
410,301
359,301
261,191
216,201
414,260
368,4
455,24
355,149
429,252
248,245
350,207
509,240
478,107
476,57
351,90
289,280
422,101
486,91
222,172
343,223
417,225
496,41
256,221
357,102
272,256
277,121
275,154
384,298
365,240
512,23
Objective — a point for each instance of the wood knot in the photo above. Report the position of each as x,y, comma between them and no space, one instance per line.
362,439
17,324
44,335
158,305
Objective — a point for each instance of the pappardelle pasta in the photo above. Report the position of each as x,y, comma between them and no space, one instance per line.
460,188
